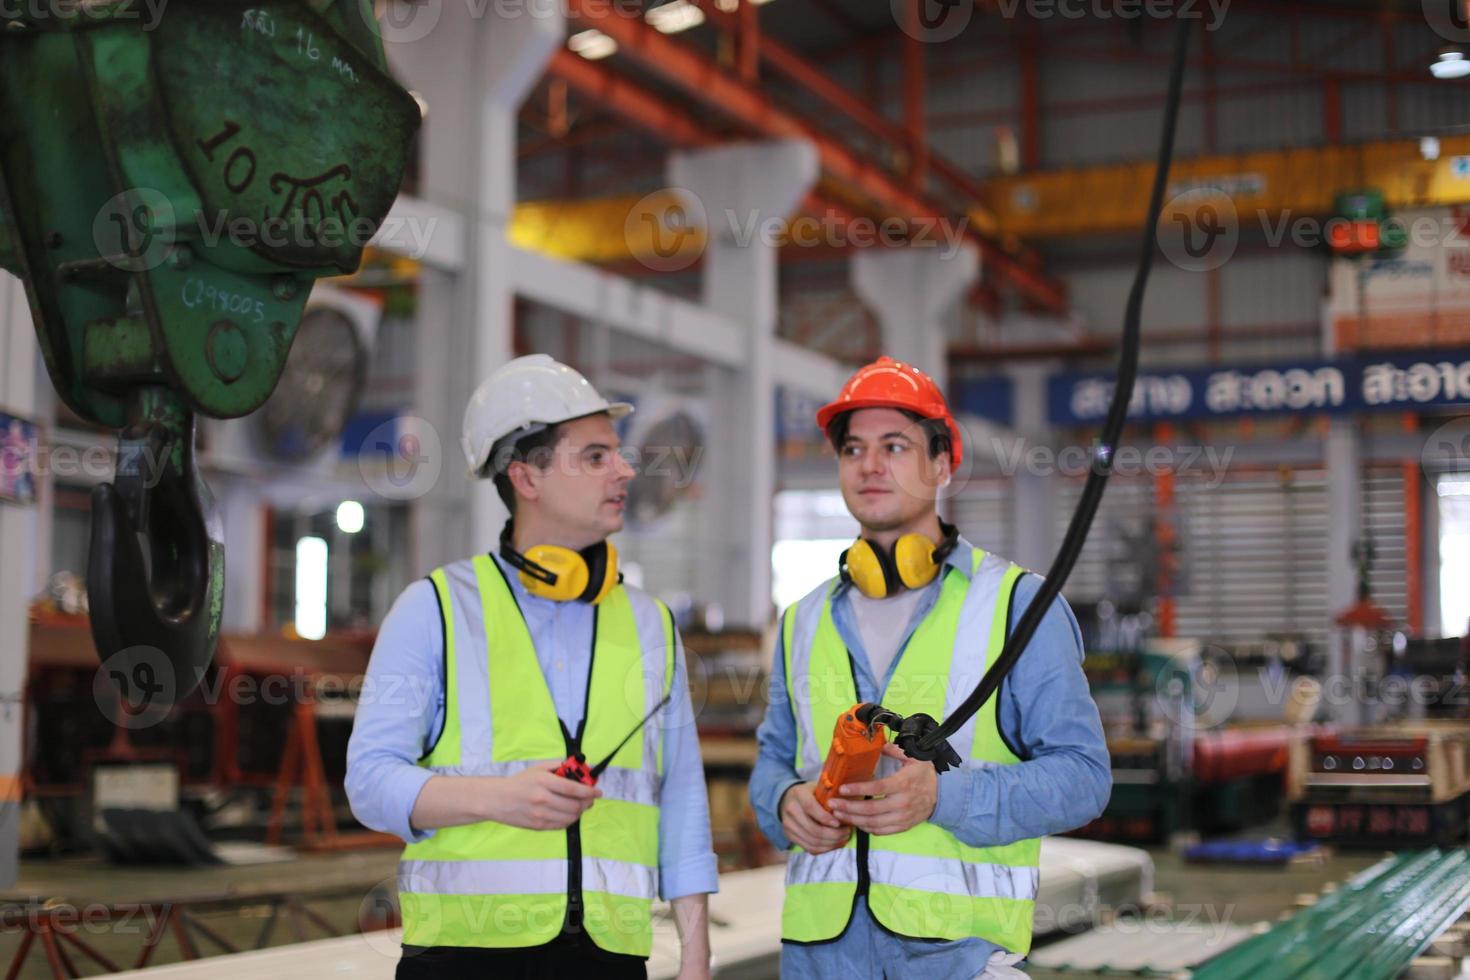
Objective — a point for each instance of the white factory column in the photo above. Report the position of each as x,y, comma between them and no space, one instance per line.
1346,662
241,512
1033,494
910,290
473,68
742,188
22,567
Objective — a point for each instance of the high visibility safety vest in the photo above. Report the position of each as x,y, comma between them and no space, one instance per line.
494,885
923,883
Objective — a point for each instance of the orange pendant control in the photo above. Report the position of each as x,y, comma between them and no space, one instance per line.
853,758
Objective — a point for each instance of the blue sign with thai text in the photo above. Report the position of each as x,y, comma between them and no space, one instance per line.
1367,382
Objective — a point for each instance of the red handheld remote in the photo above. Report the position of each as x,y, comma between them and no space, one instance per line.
577,770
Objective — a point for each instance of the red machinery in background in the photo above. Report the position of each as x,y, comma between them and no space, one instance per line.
270,719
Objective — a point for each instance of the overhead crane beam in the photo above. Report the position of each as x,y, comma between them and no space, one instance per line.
701,79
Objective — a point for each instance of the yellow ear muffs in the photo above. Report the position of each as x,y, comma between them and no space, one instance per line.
869,569
913,564
602,571
583,576
566,568
561,574
913,558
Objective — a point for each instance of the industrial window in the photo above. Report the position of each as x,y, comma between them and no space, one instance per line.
1108,566
812,527
1255,556
1383,521
1454,553
982,512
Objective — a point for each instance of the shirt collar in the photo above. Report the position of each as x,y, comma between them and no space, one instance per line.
513,578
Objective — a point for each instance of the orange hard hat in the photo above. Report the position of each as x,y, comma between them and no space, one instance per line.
887,383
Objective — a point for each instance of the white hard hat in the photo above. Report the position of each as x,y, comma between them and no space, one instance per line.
524,396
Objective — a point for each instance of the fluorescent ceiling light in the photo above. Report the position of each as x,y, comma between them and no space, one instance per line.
592,44
311,588
671,18
1451,64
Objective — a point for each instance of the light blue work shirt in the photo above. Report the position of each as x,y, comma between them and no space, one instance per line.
1046,716
401,712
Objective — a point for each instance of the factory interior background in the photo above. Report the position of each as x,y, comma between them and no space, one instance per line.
717,210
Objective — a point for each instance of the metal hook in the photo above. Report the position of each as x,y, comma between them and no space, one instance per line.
155,576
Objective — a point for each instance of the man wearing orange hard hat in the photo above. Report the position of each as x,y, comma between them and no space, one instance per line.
916,870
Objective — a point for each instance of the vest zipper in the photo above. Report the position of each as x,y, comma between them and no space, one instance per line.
575,902
574,854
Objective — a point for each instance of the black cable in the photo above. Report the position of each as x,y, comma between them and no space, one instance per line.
1103,453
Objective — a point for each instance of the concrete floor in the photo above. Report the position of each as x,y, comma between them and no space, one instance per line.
1210,894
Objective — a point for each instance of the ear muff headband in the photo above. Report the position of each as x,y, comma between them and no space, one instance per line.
561,574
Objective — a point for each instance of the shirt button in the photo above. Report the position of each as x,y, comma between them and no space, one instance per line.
561,665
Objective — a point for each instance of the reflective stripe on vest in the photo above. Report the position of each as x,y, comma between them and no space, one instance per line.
495,885
922,883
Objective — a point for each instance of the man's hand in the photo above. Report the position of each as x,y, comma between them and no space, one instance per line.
809,826
537,799
907,797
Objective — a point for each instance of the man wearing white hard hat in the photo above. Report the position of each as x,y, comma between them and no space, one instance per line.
525,725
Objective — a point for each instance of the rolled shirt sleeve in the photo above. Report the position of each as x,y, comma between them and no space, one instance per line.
776,738
1048,717
686,859
398,713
